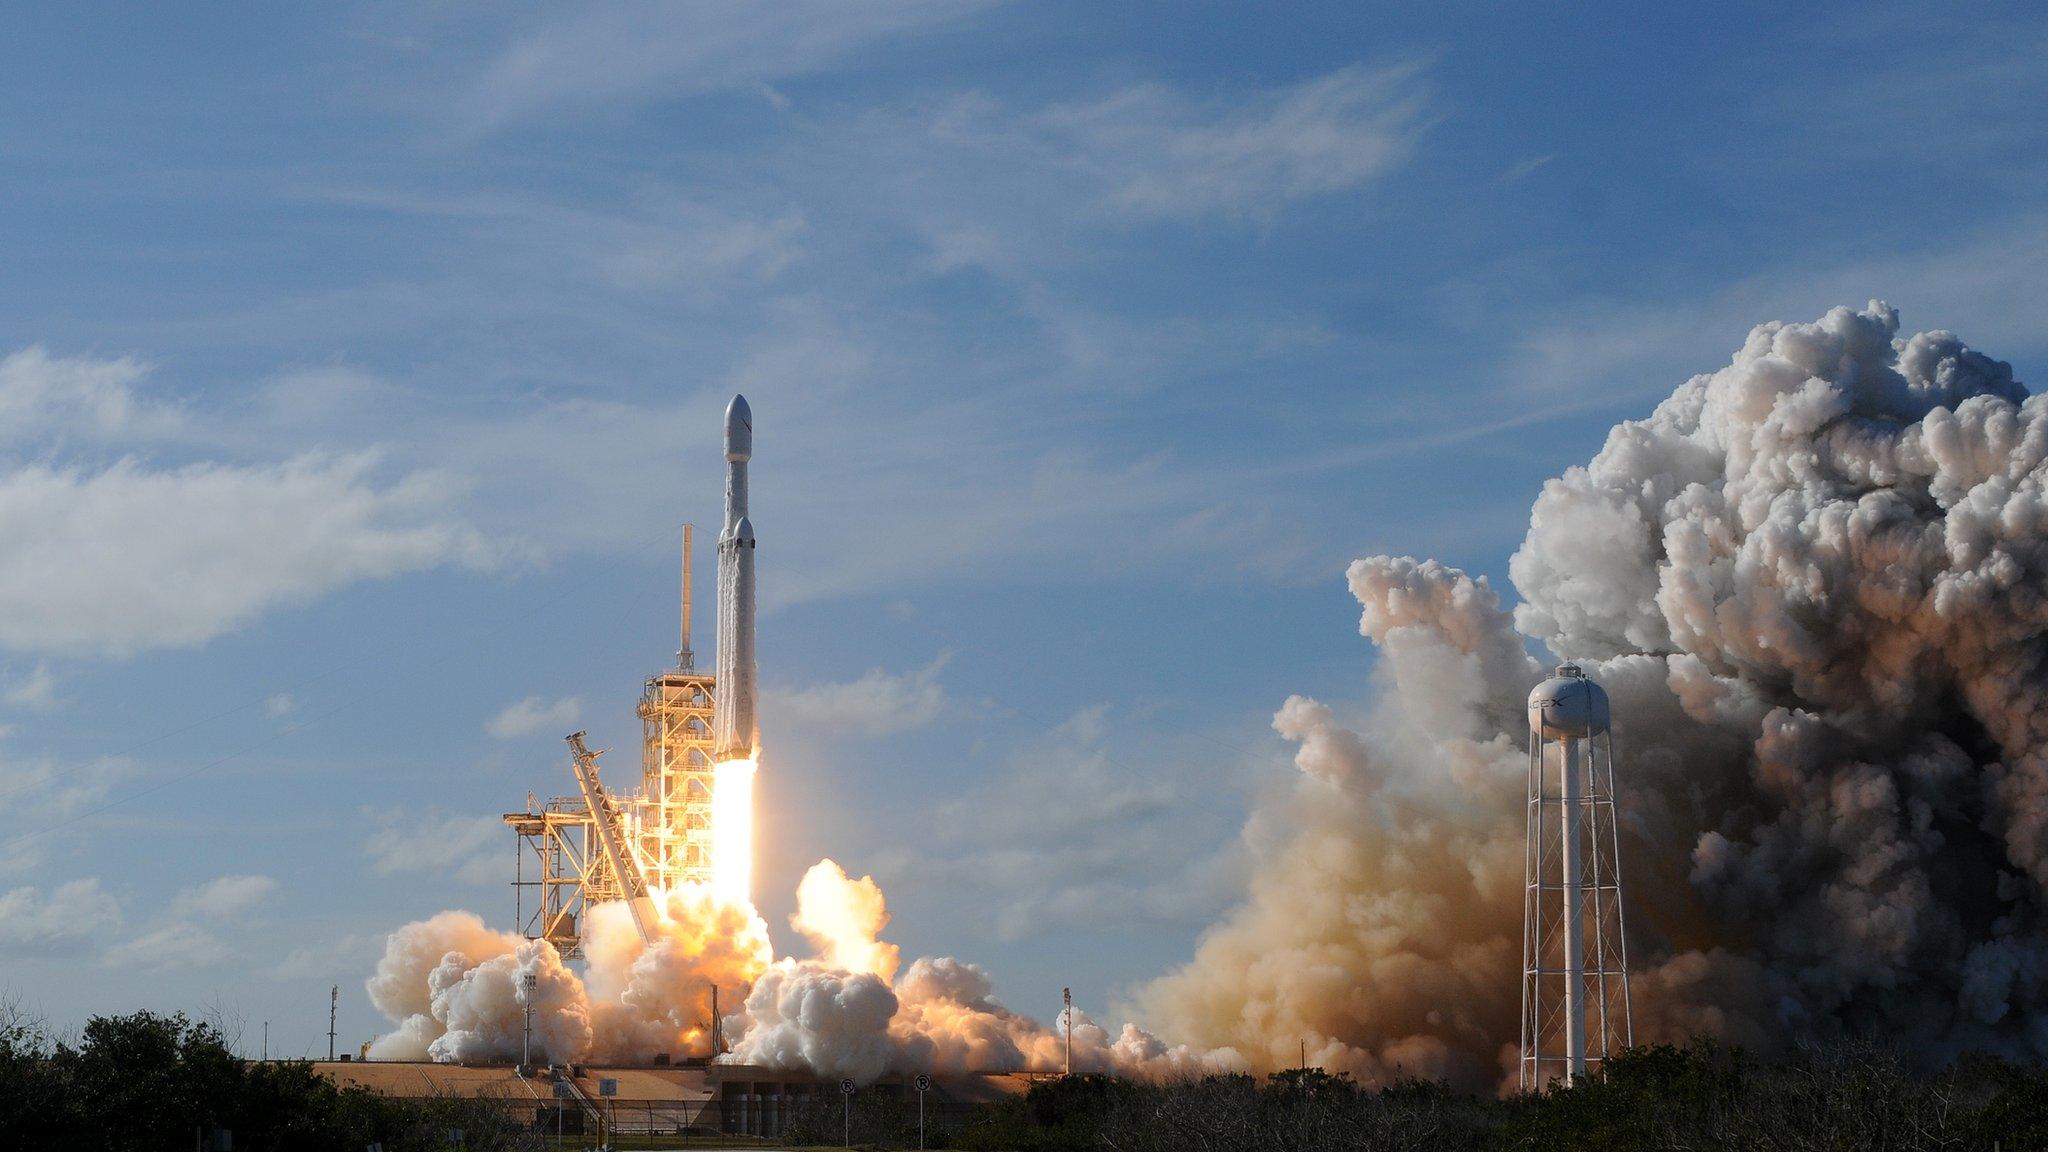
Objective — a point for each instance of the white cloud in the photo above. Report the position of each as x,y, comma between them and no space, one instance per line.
130,558
633,52
279,706
224,897
37,691
64,923
171,946
878,703
41,394
1157,153
1523,169
473,849
47,789
534,715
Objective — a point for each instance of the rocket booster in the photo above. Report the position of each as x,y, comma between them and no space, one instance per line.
734,727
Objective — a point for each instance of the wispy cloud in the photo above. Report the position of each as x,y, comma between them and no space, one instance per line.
578,58
37,691
65,922
120,560
171,946
468,848
534,715
224,897
878,703
69,397
1155,152
1523,169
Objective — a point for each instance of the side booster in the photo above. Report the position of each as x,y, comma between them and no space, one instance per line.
734,725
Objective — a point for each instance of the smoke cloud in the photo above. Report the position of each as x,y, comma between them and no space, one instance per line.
455,991
1814,584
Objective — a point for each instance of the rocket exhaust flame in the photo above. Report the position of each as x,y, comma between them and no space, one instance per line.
732,832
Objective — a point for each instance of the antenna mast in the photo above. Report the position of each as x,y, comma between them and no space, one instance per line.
686,659
333,1007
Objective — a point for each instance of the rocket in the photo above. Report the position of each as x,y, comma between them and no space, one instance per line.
734,727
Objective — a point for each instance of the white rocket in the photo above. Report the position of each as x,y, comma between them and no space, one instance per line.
735,728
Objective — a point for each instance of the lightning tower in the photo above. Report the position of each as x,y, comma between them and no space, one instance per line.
1575,1006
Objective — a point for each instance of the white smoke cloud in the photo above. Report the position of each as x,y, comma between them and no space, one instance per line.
843,919
457,992
1810,583
656,997
839,1014
452,989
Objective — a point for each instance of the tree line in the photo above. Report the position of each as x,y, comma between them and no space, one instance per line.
1848,1097
151,1083
147,1082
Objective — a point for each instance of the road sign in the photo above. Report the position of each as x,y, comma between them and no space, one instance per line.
562,1090
607,1087
924,1083
846,1086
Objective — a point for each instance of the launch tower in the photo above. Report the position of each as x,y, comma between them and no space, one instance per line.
691,819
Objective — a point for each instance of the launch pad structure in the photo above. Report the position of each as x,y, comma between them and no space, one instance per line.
601,845
666,826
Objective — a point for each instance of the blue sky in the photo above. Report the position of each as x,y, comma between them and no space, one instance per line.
358,365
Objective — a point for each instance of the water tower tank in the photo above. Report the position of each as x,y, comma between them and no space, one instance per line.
1567,706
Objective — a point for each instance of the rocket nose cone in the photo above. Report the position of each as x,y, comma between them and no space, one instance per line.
739,429
744,532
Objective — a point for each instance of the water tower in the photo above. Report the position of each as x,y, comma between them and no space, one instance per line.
1575,1006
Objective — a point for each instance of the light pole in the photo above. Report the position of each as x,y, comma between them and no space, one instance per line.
1067,994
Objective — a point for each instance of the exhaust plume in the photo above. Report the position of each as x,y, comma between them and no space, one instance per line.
1811,583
